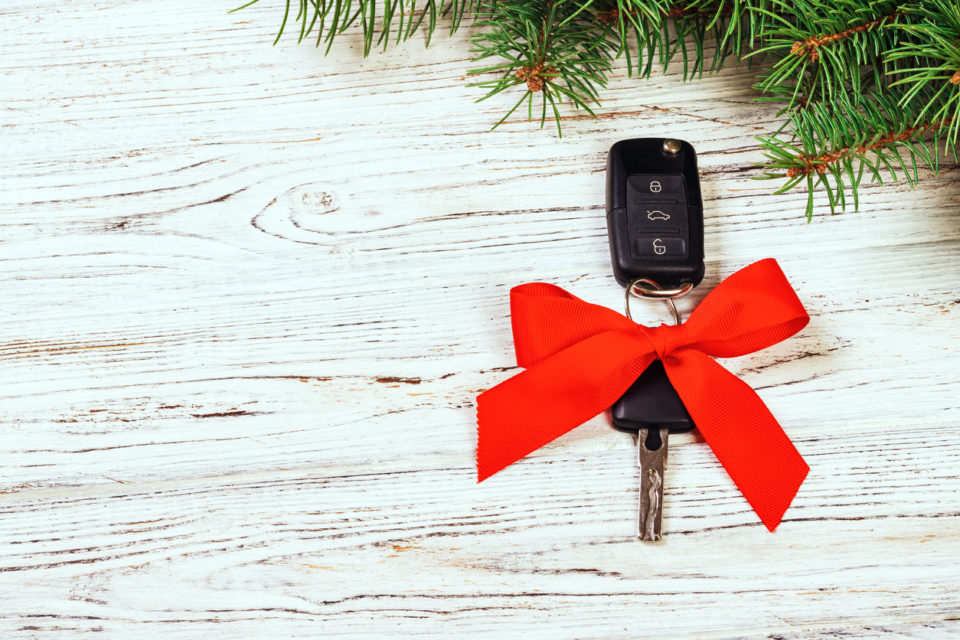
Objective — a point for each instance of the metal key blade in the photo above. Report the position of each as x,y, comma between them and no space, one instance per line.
652,459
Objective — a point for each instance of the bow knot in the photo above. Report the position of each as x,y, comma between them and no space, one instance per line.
579,358
665,339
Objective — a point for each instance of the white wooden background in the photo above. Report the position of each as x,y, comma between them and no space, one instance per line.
249,296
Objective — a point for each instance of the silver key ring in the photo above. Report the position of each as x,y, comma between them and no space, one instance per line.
647,288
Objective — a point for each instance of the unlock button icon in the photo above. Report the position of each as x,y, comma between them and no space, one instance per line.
660,247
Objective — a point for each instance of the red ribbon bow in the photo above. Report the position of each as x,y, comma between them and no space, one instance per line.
580,357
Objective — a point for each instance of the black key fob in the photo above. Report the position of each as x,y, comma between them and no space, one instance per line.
654,212
655,224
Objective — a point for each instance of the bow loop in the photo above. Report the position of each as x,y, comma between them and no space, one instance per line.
580,357
750,310
546,319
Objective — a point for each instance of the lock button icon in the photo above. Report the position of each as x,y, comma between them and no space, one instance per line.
658,247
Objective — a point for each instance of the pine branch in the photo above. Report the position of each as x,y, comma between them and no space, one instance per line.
658,33
826,50
812,45
931,65
399,18
550,46
836,146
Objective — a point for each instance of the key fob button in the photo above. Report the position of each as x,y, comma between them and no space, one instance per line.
656,218
652,187
657,247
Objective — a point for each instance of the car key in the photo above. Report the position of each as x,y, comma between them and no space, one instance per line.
655,227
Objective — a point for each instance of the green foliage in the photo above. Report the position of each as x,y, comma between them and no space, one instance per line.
542,44
930,66
836,146
867,92
822,51
868,88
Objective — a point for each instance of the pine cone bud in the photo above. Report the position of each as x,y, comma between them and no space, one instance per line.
532,76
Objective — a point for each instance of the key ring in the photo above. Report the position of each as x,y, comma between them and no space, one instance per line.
653,290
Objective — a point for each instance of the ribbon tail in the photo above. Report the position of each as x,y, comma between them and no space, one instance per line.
742,432
552,397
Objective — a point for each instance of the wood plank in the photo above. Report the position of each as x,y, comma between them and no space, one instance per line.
252,293
546,545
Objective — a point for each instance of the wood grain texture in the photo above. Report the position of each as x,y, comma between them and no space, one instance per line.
250,294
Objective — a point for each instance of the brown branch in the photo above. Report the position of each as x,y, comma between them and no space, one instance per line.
811,46
819,164
606,17
683,12
956,78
